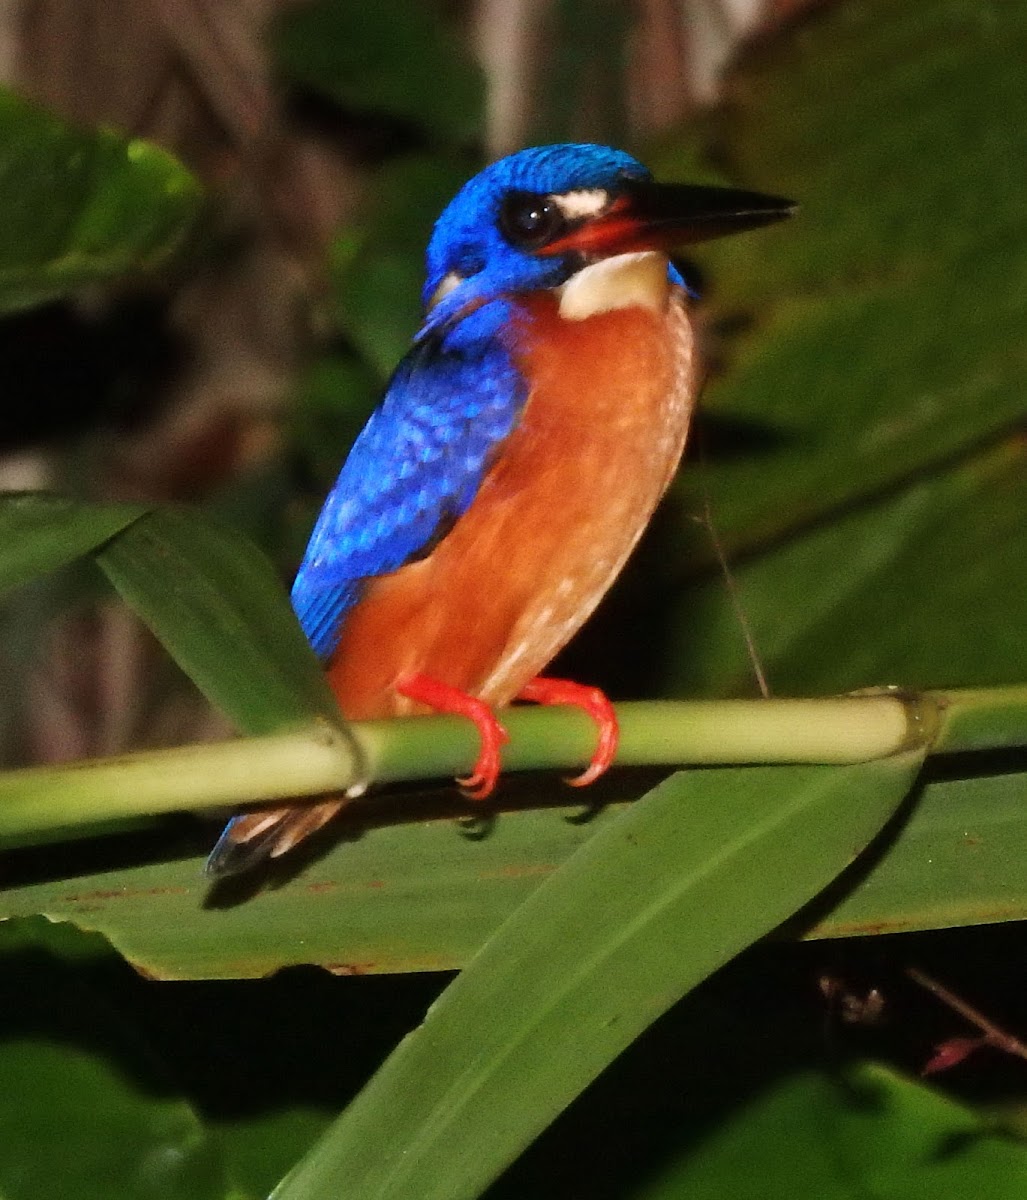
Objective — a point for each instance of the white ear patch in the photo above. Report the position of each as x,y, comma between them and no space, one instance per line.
624,281
449,282
586,202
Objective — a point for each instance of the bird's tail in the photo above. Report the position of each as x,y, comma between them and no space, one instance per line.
252,837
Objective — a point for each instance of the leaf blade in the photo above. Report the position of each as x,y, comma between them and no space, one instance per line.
82,206
215,602
40,532
490,1066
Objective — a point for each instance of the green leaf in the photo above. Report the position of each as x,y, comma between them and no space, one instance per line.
215,602
84,1113
420,895
889,314
902,170
921,588
39,533
868,1133
647,909
957,861
74,1127
392,57
259,1149
82,207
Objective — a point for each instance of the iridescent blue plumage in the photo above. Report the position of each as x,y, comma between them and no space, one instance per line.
468,244
419,461
414,469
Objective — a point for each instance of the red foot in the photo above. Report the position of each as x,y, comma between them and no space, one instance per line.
480,784
592,701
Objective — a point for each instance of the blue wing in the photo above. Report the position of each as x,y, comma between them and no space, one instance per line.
414,469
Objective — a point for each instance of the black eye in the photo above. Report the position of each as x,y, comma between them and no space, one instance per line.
529,221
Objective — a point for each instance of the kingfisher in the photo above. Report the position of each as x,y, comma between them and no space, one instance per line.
517,455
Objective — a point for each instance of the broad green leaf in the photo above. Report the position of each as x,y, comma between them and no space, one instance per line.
864,115
959,860
855,407
641,914
259,1149
922,588
82,207
84,1111
214,601
39,533
59,940
868,1133
394,58
73,1126
419,895
889,313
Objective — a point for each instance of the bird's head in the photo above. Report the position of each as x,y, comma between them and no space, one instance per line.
536,218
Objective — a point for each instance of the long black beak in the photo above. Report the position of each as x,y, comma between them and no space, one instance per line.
660,216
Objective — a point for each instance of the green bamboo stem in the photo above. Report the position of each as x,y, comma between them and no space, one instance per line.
841,729
206,775
318,758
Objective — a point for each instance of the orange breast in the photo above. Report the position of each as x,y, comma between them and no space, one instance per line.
552,523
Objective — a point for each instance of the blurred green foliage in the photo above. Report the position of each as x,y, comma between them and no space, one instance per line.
878,498
867,1131
378,268
389,60
82,207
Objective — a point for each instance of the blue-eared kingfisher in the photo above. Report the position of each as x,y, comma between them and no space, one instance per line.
517,455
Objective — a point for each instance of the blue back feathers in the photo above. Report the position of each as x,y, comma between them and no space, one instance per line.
414,469
420,459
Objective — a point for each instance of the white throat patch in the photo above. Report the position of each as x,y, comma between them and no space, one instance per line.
631,280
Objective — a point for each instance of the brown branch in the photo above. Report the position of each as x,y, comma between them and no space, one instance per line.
994,1035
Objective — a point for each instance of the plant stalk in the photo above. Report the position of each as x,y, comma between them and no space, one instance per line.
318,758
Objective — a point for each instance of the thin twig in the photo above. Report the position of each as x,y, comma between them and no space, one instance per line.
994,1034
729,580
